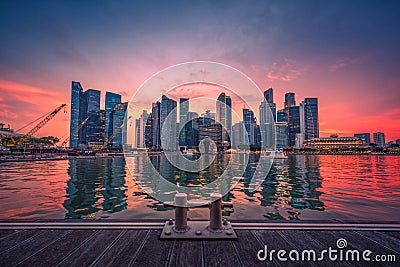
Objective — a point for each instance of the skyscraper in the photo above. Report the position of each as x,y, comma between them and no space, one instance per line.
250,126
269,97
379,139
183,118
156,124
89,107
140,125
118,124
309,124
111,100
192,130
282,134
76,91
289,100
281,116
294,124
168,130
224,114
267,124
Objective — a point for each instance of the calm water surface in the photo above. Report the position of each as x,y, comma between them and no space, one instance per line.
298,188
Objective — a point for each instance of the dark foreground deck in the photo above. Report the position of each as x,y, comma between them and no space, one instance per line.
138,244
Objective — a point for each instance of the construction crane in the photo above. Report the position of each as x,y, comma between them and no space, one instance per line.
75,132
113,135
45,120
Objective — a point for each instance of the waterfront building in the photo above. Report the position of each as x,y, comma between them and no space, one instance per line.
168,130
148,132
365,136
309,125
140,126
379,139
250,125
398,141
281,116
155,128
282,134
335,143
214,132
290,101
76,91
224,114
192,130
89,107
111,100
269,97
294,124
183,118
239,136
118,125
102,126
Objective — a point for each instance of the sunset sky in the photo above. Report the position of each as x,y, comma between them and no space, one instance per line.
346,53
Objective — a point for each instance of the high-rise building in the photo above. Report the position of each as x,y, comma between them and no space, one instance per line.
183,118
239,136
140,126
309,125
89,107
102,126
289,100
267,124
282,134
281,116
111,100
148,132
294,124
76,91
379,139
212,131
250,124
365,136
168,130
192,130
224,114
269,97
118,125
156,124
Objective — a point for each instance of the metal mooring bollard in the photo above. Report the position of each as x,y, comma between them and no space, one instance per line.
213,229
181,213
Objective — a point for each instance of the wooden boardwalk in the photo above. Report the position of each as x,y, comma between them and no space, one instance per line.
102,244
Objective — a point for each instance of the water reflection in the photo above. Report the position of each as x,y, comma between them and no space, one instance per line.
95,187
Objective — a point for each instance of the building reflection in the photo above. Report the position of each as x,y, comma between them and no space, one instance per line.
291,185
95,186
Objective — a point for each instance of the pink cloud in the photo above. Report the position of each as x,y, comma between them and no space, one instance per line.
285,71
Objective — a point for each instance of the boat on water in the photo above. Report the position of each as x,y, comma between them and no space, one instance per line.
276,154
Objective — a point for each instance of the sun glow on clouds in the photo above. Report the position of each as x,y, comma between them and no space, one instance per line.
22,103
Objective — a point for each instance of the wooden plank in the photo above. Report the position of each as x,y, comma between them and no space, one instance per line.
304,241
274,241
31,247
123,251
54,253
186,253
10,241
383,239
247,246
5,232
155,252
393,234
90,251
220,253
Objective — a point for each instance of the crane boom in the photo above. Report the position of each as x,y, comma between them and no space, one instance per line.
79,127
45,120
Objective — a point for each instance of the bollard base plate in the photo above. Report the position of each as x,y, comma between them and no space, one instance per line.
198,230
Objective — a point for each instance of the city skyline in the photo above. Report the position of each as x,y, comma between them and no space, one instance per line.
343,53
